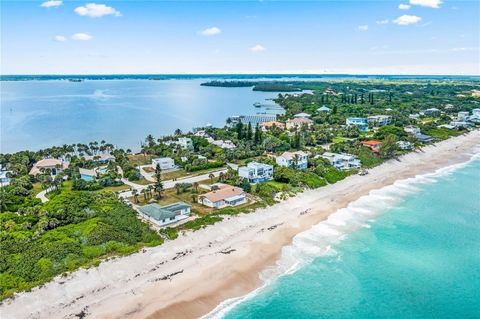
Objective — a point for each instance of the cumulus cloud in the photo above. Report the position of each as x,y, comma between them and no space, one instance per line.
59,38
382,22
257,48
51,3
211,31
403,6
363,27
407,19
94,10
81,36
427,3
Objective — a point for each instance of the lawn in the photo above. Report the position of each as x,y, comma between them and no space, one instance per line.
140,159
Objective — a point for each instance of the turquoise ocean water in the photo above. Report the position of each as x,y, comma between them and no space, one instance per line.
410,250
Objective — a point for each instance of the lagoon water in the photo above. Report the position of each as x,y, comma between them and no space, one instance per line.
411,250
38,114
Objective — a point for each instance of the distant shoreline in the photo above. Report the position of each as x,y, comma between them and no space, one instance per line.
91,77
169,281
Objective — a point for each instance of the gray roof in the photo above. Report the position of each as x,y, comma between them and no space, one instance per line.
158,212
323,108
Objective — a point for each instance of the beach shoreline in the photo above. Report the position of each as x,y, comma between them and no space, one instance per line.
190,276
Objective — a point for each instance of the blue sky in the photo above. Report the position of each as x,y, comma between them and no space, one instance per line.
108,37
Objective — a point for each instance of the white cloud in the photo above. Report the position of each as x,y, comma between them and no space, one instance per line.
382,22
257,48
363,27
407,19
94,10
427,3
51,3
60,38
81,36
403,6
211,31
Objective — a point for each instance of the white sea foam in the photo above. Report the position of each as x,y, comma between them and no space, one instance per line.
320,240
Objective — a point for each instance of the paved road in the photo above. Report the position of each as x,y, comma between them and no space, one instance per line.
170,183
42,194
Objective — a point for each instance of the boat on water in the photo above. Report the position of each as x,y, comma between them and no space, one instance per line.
257,104
75,80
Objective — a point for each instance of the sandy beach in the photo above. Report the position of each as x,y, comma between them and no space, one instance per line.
190,276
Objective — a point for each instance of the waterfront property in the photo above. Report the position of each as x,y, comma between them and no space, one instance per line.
411,129
87,174
379,120
183,142
164,162
463,116
55,166
226,195
342,161
359,122
298,122
252,119
270,125
298,160
227,144
165,215
373,145
404,145
256,172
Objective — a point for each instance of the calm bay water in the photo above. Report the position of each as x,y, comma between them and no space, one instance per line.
420,258
39,114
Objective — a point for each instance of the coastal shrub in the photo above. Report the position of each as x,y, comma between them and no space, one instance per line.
333,175
71,230
169,232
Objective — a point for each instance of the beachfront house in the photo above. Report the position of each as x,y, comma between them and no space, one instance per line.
272,124
463,116
342,161
411,129
165,215
298,122
226,195
55,166
359,122
256,172
373,145
323,109
87,174
164,162
404,145
298,160
379,120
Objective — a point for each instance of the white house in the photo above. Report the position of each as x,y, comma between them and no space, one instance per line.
54,165
256,172
379,120
165,215
227,144
404,145
414,116
298,122
5,177
463,116
297,159
164,162
342,161
411,129
226,195
185,143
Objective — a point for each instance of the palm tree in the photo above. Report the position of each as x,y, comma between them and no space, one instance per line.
211,176
135,195
144,192
195,187
178,188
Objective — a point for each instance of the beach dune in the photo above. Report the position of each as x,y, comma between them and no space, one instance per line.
190,276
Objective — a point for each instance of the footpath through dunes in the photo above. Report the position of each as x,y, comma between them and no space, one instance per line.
190,276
